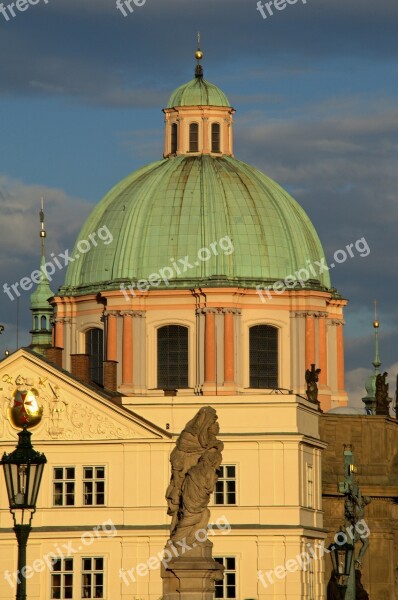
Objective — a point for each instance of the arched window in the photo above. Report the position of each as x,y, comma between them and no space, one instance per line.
215,137
172,357
174,138
43,323
36,323
95,348
194,137
263,343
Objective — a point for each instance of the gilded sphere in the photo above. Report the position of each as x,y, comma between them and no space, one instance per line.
198,54
25,411
376,324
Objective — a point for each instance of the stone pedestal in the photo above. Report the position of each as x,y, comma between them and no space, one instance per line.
191,575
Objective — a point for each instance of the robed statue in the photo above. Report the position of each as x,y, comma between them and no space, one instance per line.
382,399
194,464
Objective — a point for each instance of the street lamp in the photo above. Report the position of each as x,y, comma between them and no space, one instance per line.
342,556
23,470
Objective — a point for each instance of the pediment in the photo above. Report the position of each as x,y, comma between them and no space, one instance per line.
70,410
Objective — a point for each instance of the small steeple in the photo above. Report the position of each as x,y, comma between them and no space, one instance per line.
41,309
370,385
199,56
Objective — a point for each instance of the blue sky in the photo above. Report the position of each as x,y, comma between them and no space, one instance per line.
315,88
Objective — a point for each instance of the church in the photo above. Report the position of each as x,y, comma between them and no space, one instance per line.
161,313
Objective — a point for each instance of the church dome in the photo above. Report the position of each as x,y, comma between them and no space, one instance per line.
174,208
198,92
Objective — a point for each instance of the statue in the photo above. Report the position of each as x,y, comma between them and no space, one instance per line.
382,399
194,462
311,378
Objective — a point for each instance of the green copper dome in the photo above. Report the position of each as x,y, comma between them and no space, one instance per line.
198,92
178,210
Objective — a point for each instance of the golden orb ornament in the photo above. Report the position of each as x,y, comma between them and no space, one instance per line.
25,411
198,54
376,324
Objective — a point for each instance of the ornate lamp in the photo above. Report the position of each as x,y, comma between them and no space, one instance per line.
342,556
23,470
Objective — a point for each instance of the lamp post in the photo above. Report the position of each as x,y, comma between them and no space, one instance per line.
342,557
23,470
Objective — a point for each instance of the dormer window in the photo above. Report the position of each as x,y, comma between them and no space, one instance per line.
174,138
194,137
215,137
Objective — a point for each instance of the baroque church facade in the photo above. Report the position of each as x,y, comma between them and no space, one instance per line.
198,298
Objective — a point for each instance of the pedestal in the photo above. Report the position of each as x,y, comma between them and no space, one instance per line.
191,576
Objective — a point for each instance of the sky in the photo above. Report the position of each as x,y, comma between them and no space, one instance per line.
315,87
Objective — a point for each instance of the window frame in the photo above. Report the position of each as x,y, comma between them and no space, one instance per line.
96,363
260,366
192,142
64,481
163,385
212,136
63,573
174,138
224,582
225,491
95,480
93,572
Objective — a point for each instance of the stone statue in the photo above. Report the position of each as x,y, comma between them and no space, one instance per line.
194,462
382,399
311,378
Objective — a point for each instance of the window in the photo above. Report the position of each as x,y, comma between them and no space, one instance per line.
64,488
215,137
43,322
263,342
174,138
92,577
310,487
227,587
95,348
194,137
172,357
225,492
62,578
93,486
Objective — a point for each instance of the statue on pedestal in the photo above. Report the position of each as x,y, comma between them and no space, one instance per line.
382,398
312,378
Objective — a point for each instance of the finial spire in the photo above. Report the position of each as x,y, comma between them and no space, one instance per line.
42,230
376,325
199,56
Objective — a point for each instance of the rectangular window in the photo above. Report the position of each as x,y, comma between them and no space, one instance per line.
93,577
62,579
64,486
93,486
225,492
227,587
310,487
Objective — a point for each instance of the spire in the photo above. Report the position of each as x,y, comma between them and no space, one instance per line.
41,309
199,56
370,385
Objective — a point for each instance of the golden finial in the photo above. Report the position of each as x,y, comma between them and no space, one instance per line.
198,53
376,323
